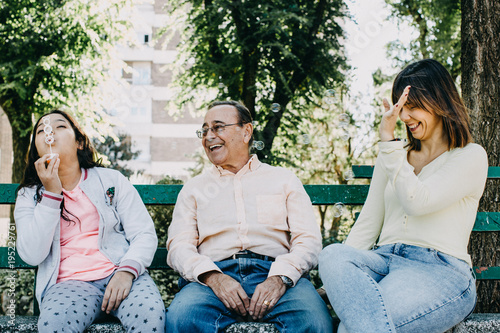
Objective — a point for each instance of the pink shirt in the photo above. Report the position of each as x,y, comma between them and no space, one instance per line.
261,208
80,255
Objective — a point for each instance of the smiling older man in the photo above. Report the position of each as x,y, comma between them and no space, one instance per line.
243,238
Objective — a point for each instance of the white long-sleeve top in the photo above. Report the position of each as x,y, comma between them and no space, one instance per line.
434,209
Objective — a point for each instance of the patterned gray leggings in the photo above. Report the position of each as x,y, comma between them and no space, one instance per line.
72,306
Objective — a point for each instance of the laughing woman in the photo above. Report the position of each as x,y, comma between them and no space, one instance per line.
404,266
87,230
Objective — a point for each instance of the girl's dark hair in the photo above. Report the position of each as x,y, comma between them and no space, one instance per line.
433,90
244,115
87,158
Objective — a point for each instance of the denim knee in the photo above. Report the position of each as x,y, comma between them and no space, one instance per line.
335,257
331,254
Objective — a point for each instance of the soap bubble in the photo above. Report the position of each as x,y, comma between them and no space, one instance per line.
338,209
305,139
329,96
46,121
47,129
343,120
49,140
275,107
349,174
345,136
259,145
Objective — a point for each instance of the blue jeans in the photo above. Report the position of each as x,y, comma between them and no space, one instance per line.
396,288
197,309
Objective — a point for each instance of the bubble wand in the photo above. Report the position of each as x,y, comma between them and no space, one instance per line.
49,137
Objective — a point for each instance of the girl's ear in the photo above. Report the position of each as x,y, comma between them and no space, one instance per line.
80,145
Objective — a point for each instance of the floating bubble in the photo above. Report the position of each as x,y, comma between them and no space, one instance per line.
275,107
344,120
47,129
46,121
345,136
49,140
330,93
259,145
338,209
329,100
349,174
305,139
329,96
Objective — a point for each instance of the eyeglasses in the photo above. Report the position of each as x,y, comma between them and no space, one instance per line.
217,129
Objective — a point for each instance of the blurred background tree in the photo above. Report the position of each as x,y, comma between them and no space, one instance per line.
481,94
116,151
438,25
269,55
57,53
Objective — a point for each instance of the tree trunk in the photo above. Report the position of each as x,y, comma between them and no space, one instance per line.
21,129
481,93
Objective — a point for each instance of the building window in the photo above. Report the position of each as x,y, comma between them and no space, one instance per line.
142,73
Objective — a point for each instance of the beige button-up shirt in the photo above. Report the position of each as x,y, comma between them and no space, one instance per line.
261,208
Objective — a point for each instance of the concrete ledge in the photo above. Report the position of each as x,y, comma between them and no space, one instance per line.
476,323
479,323
28,324
251,328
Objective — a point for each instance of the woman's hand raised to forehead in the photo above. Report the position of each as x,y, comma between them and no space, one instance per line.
48,173
390,117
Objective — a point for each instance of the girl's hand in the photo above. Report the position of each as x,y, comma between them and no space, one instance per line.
48,173
117,290
390,117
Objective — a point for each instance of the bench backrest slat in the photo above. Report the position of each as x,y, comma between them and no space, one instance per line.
366,171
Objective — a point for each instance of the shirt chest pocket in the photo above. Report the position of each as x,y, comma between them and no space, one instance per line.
271,209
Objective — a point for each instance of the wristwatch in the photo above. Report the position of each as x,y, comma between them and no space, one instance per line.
286,281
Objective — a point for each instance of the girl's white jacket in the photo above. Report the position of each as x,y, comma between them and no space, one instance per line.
126,231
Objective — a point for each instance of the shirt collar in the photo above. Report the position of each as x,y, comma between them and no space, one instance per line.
252,165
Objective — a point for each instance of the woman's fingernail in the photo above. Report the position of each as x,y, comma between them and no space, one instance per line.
396,105
406,94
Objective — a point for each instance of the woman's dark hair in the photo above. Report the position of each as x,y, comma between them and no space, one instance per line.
87,158
244,115
433,90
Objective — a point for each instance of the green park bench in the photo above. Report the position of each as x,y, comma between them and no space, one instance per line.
349,195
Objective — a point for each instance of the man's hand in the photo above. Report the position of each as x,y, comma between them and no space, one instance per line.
117,290
266,295
228,290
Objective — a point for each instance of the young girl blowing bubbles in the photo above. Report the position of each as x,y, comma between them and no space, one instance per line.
89,233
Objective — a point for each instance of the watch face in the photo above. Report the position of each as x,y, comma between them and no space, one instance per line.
286,280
